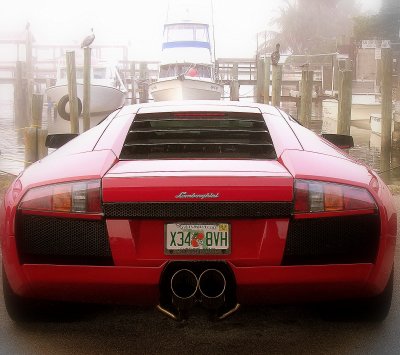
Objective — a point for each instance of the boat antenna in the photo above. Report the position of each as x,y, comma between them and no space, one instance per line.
213,29
166,20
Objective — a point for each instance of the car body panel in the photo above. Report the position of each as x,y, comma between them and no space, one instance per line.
258,244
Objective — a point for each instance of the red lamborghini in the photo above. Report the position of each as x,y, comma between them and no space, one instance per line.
209,204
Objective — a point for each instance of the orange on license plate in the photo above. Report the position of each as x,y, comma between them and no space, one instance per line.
197,238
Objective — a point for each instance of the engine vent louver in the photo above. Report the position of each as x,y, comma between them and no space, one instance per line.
198,135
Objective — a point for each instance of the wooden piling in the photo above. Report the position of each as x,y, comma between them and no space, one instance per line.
133,83
86,87
35,136
344,101
144,86
73,100
396,115
30,142
267,79
276,85
306,86
386,89
260,81
234,83
21,96
37,110
29,71
234,90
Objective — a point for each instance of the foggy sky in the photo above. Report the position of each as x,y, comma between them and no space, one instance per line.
139,24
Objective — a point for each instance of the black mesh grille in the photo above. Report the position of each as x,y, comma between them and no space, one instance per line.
198,210
336,240
67,241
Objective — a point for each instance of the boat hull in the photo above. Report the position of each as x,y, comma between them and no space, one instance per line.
185,89
360,112
102,98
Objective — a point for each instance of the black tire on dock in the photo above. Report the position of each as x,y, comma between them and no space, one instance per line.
61,107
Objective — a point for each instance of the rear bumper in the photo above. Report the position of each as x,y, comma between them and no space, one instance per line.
255,283
140,285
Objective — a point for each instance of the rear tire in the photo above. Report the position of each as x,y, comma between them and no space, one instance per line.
63,103
18,308
22,309
372,309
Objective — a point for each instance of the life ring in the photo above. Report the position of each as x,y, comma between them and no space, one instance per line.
63,103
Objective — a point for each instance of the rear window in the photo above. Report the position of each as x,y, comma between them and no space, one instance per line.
198,135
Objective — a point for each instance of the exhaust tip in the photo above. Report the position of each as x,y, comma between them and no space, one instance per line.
184,286
212,284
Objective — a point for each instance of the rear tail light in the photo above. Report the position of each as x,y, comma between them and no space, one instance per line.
315,196
75,197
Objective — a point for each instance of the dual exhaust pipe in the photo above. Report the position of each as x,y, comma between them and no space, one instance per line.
211,286
208,289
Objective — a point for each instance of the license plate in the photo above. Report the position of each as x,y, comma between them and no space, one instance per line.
197,238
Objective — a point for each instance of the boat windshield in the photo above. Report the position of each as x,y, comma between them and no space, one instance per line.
187,69
186,32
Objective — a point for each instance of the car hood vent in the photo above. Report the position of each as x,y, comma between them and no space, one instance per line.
198,135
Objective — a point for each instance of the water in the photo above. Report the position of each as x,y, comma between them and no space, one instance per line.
367,144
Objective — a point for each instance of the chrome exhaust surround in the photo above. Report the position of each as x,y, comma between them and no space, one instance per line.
212,284
184,286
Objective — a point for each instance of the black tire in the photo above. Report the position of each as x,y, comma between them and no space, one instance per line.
61,107
18,308
22,309
372,309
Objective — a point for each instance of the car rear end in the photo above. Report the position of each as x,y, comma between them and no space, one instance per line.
201,207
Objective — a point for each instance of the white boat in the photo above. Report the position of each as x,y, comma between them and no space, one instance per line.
107,91
363,105
376,123
186,69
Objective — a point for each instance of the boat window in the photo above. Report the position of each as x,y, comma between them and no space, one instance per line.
185,135
186,32
201,34
99,73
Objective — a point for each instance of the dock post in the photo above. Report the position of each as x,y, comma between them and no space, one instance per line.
344,101
306,86
21,98
396,114
260,81
133,83
234,83
386,89
234,90
35,136
267,79
144,87
73,99
29,71
86,88
276,85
